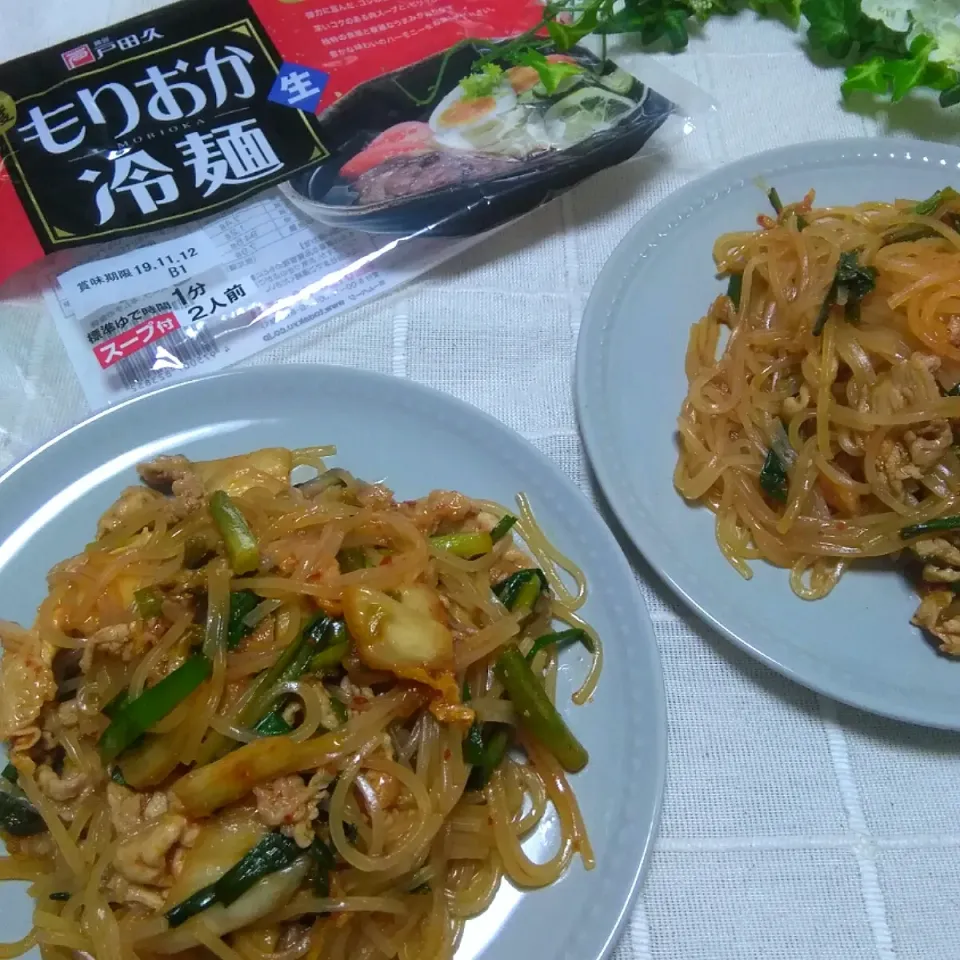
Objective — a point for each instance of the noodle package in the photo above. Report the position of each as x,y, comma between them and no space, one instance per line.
210,177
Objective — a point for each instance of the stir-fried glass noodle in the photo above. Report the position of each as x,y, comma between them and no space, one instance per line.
822,429
262,720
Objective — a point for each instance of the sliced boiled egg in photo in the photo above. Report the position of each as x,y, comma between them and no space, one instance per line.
526,80
522,79
462,122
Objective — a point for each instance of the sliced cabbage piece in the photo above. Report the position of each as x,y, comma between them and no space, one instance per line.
407,634
402,634
267,895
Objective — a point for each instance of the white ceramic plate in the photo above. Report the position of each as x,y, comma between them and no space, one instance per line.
415,440
857,645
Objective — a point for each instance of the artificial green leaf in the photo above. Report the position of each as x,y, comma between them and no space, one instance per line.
938,76
675,30
789,8
562,34
839,26
651,33
878,59
624,20
565,35
870,76
875,37
907,73
654,20
950,97
833,25
550,73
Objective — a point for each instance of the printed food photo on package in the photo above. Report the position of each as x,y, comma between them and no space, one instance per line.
462,140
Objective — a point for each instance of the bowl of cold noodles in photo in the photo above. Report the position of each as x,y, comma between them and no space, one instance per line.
461,142
257,718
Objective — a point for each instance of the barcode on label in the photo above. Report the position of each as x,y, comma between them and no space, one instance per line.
179,350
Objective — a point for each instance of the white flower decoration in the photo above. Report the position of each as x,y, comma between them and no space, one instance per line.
948,45
893,13
932,16
939,20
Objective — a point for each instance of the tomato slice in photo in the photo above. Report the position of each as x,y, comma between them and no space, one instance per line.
411,136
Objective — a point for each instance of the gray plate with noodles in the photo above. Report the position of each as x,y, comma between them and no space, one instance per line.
846,483
420,620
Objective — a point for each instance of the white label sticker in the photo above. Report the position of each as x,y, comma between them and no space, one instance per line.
221,301
94,285
168,340
276,272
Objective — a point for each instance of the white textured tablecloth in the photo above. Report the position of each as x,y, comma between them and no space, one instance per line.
793,828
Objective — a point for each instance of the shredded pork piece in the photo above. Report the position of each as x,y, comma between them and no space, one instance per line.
358,698
143,858
112,640
932,616
933,573
941,558
175,475
41,846
122,890
295,557
67,786
929,360
156,806
129,641
187,839
376,496
439,509
163,472
328,718
130,810
68,713
386,790
928,444
126,812
905,384
953,329
508,563
895,465
290,804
